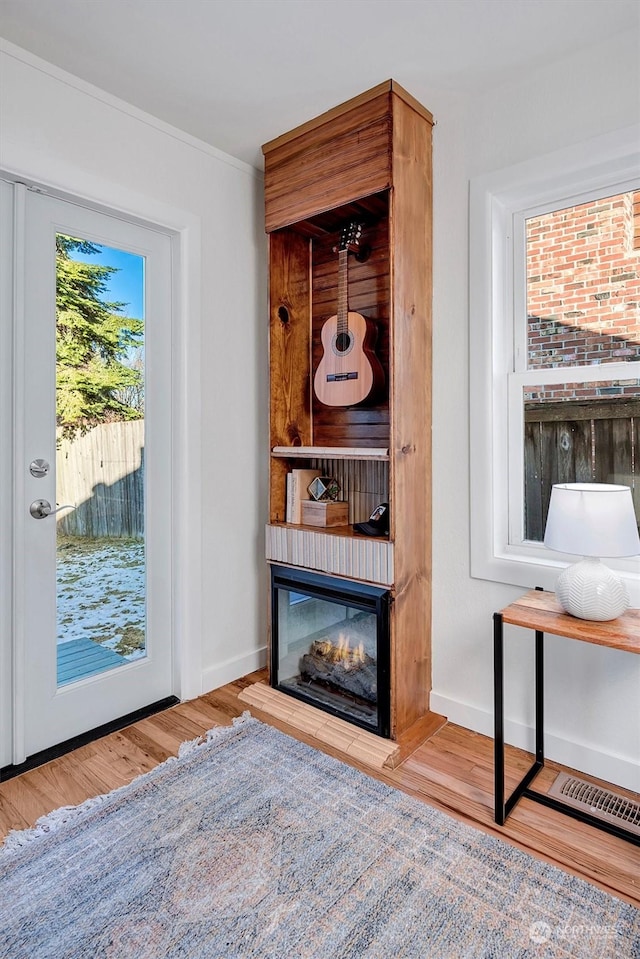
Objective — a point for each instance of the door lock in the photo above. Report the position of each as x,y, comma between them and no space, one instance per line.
39,468
41,508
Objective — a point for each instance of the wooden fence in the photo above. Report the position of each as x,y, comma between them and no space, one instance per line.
102,474
595,441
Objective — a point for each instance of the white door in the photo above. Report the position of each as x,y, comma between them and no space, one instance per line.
92,410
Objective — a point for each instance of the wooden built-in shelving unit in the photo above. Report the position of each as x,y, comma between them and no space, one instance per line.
367,160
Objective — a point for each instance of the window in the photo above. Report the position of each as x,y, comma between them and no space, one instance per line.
555,347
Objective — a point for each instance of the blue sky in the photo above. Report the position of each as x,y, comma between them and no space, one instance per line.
127,285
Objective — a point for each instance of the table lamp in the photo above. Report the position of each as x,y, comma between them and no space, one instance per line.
592,520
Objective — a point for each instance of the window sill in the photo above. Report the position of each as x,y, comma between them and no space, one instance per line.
531,566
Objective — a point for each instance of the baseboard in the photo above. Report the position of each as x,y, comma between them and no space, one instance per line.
594,762
230,669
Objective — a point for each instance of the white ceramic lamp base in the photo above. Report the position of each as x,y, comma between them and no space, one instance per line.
590,590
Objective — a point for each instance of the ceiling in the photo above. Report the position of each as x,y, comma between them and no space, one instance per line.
237,73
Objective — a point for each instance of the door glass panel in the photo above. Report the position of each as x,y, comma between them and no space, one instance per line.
100,547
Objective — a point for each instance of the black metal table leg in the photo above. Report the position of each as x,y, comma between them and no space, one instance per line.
539,697
504,804
498,714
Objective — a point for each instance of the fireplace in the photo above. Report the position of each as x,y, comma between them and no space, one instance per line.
330,645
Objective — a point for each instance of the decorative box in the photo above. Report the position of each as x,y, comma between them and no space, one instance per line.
325,513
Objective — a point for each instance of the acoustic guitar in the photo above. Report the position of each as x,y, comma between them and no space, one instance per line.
349,372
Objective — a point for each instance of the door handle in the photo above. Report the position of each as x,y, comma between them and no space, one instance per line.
41,508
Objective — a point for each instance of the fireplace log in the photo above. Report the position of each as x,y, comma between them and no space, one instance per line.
346,676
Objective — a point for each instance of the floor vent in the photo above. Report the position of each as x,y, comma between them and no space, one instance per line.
601,803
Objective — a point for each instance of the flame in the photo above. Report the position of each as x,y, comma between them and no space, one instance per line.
340,652
344,654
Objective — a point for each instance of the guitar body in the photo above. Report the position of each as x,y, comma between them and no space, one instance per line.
349,372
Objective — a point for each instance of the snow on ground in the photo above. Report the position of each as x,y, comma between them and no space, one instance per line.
101,593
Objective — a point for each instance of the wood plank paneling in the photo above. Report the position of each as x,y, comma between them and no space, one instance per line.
289,350
338,158
577,442
329,165
101,473
534,516
366,209
355,103
560,453
615,456
366,425
622,407
410,245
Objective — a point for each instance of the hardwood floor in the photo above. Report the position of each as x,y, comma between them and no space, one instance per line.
453,771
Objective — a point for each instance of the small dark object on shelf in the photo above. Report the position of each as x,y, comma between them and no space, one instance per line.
378,523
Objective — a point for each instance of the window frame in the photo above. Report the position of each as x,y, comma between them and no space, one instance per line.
500,203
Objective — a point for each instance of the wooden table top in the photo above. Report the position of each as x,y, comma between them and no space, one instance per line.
540,610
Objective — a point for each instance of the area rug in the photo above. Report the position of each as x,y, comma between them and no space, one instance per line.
252,844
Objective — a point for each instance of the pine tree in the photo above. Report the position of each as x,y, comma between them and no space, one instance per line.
93,338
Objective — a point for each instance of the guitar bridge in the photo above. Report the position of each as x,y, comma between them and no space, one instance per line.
335,377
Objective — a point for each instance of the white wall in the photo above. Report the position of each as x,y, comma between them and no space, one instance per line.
66,134
593,695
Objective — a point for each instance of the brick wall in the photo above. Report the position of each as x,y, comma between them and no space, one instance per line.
603,390
583,290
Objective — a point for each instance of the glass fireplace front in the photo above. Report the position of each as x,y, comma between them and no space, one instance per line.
330,645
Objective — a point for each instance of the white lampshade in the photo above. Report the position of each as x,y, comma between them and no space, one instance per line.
592,520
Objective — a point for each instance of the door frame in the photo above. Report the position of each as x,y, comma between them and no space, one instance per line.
184,231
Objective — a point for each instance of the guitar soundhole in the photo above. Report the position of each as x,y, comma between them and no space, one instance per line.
343,343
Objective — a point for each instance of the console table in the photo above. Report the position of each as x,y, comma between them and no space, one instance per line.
540,611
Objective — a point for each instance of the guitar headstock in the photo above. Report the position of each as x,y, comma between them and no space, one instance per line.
350,235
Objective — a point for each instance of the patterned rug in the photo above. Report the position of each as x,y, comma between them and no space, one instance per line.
254,845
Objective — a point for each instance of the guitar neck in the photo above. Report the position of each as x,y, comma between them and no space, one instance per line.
342,325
